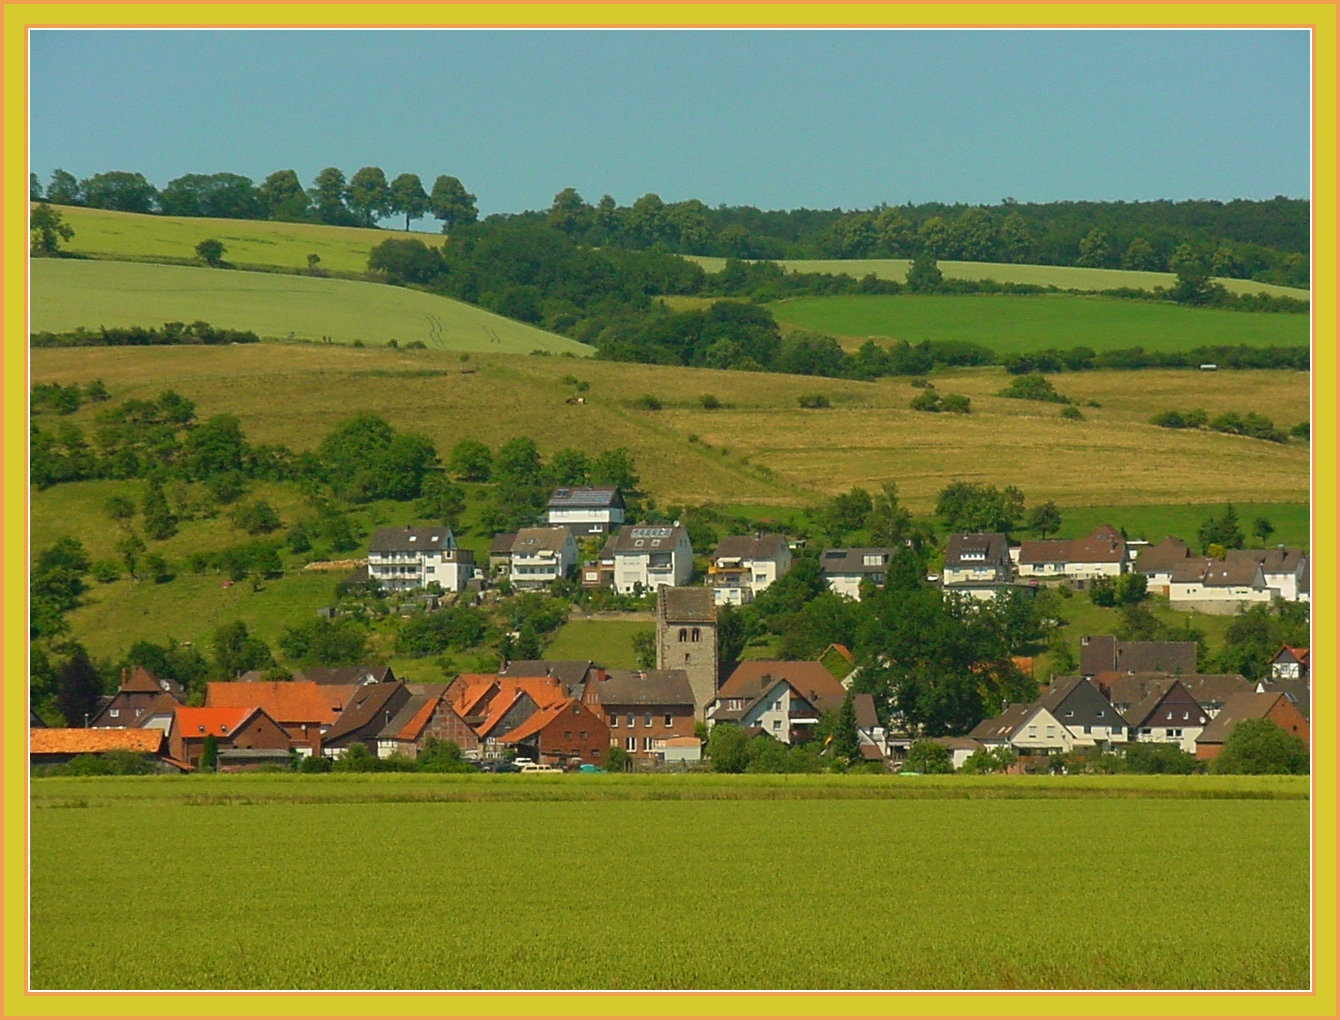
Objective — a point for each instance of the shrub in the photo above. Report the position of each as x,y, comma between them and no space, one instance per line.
1303,431
647,402
210,251
106,571
1033,387
928,758
357,758
728,748
919,382
1071,413
1259,747
814,401
926,400
616,759
416,345
709,402
257,518
315,763
956,403
1156,758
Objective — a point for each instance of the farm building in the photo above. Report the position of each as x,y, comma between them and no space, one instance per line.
643,707
243,729
56,746
565,732
304,709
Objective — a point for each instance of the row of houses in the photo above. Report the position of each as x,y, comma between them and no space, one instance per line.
984,564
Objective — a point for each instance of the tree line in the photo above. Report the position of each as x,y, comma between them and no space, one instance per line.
1258,240
360,200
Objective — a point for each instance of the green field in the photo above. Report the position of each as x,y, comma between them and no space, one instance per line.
607,642
454,882
68,293
1065,277
1292,521
1010,324
138,237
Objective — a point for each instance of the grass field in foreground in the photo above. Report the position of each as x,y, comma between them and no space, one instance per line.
68,293
1010,324
939,891
1065,277
762,448
105,234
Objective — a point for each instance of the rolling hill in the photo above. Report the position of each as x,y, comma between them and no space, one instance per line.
68,293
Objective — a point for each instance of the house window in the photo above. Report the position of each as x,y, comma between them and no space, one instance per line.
1032,732
697,634
583,734
1070,715
1100,713
646,743
683,633
1051,731
668,720
631,720
576,709
614,722
567,734
777,724
646,719
1146,732
114,713
630,744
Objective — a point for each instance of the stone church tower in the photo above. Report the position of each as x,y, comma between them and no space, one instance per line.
686,638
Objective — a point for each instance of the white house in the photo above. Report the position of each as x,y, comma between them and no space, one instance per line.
587,510
1281,568
1218,586
415,557
541,556
1157,562
647,556
845,569
1169,714
744,565
1029,729
977,564
1101,554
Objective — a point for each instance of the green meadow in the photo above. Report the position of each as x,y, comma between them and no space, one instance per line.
608,642
1064,277
687,882
1012,324
69,293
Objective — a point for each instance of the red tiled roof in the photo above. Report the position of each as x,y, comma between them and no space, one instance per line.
806,677
50,740
141,681
538,721
284,701
218,722
544,691
415,726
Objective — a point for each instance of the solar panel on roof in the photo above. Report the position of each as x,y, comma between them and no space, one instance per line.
652,532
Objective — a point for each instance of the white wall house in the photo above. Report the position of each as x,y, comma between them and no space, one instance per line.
977,564
1028,728
1102,554
744,565
845,569
647,556
541,556
587,510
415,557
1281,568
1218,586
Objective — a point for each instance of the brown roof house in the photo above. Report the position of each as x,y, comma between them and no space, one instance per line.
1275,706
56,745
786,700
1156,562
565,732
1211,691
643,708
870,731
1219,587
1291,664
368,712
1100,554
427,713
1103,653
1169,715
744,565
977,564
141,695
686,639
243,730
1282,569
500,553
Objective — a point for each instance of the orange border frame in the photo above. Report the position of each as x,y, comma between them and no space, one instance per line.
18,18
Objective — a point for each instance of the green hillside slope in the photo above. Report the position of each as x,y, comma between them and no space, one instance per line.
1011,324
1002,272
138,237
69,293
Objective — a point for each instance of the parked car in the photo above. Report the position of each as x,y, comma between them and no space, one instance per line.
589,768
532,767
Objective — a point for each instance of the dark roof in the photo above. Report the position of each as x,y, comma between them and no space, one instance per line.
686,605
1139,713
1297,691
571,673
1103,653
644,687
1273,561
852,561
533,540
411,539
981,547
501,545
412,707
1161,558
1103,545
646,538
141,681
361,575
580,497
864,705
1050,550
959,743
1217,573
750,547
1241,706
363,708
1005,725
346,676
1209,689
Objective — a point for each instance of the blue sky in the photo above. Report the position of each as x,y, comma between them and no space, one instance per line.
773,119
